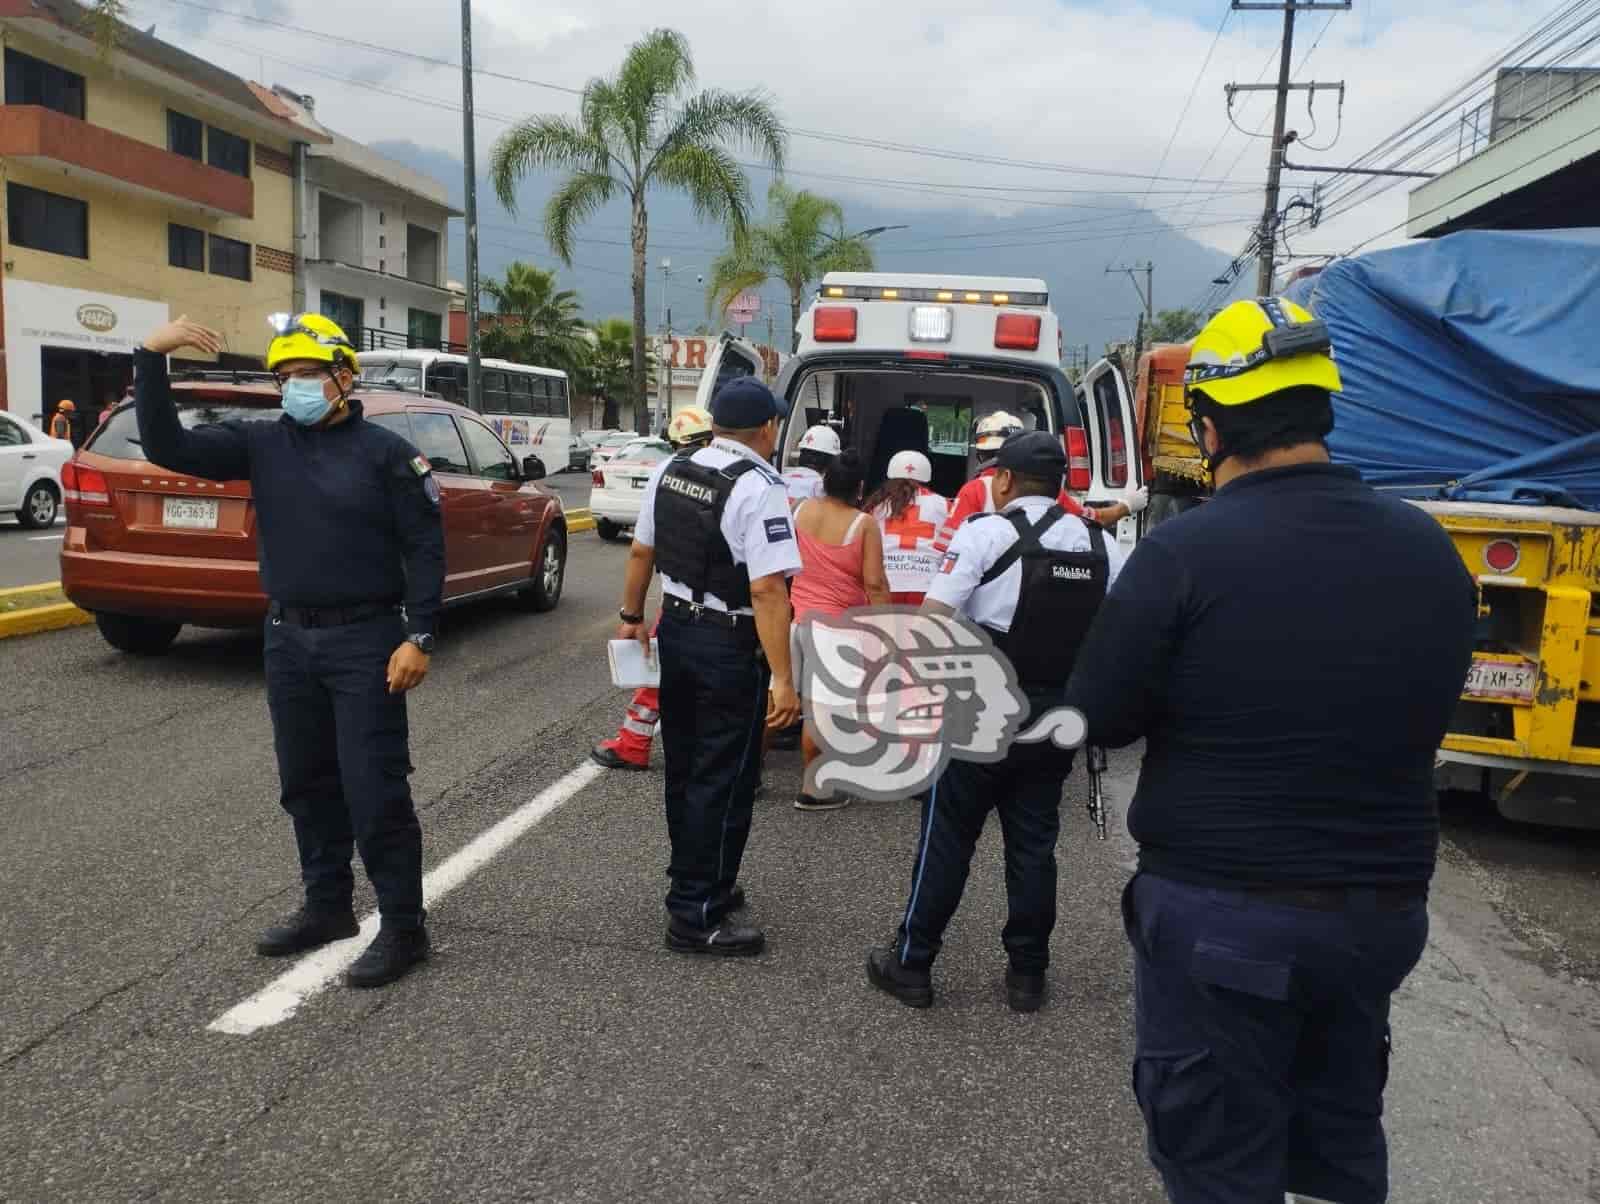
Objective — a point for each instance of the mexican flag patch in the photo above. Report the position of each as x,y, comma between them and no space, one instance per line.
420,465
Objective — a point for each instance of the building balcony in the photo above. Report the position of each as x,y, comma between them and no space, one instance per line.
369,338
372,274
31,134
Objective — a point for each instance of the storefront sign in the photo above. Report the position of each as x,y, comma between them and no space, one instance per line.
43,315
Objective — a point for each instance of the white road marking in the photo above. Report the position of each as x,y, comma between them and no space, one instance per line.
282,997
42,538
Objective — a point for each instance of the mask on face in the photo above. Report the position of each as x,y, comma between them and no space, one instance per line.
303,400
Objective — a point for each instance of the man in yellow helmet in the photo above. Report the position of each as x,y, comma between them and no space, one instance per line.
352,559
1290,653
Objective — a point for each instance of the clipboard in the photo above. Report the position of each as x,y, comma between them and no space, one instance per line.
629,670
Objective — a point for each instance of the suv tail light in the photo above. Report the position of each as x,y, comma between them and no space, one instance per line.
87,486
834,324
1078,474
1017,332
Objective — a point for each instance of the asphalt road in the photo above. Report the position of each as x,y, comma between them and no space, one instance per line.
553,1050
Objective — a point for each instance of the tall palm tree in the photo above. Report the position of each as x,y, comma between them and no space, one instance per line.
538,321
642,128
802,240
610,367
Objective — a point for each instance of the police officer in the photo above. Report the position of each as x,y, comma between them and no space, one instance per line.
716,522
819,447
1291,652
1033,577
352,558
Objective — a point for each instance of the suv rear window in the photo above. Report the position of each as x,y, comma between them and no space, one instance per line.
119,436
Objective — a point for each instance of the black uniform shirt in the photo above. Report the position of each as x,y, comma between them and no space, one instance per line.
1292,652
343,514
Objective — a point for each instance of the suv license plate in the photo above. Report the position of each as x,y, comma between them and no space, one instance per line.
199,513
1513,680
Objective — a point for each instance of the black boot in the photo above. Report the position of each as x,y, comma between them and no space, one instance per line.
391,954
1024,992
307,928
910,986
723,940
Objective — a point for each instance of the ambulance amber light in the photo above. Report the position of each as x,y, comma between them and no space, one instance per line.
834,324
836,291
1017,332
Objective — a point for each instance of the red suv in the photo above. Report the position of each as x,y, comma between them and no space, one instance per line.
148,550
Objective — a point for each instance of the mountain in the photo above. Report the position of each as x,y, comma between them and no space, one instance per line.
1059,244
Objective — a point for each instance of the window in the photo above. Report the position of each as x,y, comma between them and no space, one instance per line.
380,242
435,437
44,221
558,397
230,258
496,393
541,396
398,423
12,435
228,151
494,462
185,136
1113,435
425,326
449,381
348,312
31,81
521,401
186,248
380,217
118,437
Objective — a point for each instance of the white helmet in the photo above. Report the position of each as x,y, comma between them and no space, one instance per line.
994,429
910,466
823,440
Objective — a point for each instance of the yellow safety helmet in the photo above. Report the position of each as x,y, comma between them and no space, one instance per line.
688,424
308,337
1253,349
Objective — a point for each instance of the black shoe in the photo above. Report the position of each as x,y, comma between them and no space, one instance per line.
723,940
1024,992
914,988
810,802
736,899
609,758
391,954
308,928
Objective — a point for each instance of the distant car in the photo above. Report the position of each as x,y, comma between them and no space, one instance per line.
30,472
619,484
611,443
148,550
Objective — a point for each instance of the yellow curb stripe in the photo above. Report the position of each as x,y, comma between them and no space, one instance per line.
581,519
43,618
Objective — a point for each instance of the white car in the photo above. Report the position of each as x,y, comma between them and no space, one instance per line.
609,444
30,472
619,484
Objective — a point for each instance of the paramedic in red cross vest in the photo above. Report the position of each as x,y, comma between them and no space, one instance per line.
716,521
1032,576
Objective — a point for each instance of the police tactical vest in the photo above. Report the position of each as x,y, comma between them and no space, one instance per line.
1057,601
690,546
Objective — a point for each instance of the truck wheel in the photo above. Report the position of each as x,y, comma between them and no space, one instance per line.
39,506
141,637
607,530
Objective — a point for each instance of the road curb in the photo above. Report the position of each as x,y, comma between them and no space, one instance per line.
35,619
580,520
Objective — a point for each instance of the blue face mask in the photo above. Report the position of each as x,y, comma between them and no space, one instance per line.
303,400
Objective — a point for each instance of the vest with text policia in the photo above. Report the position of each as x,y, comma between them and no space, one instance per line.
1057,601
690,546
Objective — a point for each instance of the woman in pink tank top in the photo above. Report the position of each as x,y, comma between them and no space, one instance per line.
841,557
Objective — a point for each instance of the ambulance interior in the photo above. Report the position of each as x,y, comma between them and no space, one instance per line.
883,411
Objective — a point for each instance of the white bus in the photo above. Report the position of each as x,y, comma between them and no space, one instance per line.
528,407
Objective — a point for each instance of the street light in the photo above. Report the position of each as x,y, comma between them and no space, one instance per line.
869,232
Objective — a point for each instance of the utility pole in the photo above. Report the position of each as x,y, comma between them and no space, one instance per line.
1147,294
470,154
664,399
1268,235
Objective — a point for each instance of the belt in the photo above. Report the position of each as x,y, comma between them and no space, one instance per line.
1340,898
694,613
331,616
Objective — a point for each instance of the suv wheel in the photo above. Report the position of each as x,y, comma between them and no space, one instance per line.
141,637
607,529
39,506
549,573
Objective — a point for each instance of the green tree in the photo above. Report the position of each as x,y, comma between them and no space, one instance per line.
802,239
607,366
639,129
539,323
1174,326
104,22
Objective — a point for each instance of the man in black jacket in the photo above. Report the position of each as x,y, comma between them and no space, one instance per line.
1291,653
352,558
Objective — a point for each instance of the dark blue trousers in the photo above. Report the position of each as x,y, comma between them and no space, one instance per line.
341,740
1025,791
1263,1039
713,707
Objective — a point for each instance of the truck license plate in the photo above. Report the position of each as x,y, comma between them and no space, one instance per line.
1502,679
199,513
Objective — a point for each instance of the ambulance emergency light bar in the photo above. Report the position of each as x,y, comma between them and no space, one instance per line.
947,296
928,324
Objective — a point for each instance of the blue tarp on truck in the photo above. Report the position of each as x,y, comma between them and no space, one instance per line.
1471,366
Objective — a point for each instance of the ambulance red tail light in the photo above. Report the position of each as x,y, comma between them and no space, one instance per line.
834,324
1078,475
1017,332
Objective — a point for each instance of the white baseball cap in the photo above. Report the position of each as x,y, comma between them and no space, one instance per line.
910,466
821,439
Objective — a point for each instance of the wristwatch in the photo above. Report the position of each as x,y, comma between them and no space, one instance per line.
424,643
627,618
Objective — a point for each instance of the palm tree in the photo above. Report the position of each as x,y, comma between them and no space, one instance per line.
539,324
640,129
608,370
802,240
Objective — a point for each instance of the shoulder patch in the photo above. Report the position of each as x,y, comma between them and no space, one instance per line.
778,530
420,465
948,565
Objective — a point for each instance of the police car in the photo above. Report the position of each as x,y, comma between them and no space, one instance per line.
899,362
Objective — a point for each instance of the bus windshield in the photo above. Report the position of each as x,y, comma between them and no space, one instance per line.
400,376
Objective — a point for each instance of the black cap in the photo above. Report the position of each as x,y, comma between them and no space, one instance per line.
1033,454
745,403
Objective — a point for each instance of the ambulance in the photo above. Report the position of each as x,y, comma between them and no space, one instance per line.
911,362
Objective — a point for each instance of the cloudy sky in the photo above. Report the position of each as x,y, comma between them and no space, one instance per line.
1077,89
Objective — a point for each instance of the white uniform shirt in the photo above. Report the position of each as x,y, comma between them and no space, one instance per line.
979,543
802,483
755,522
912,544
